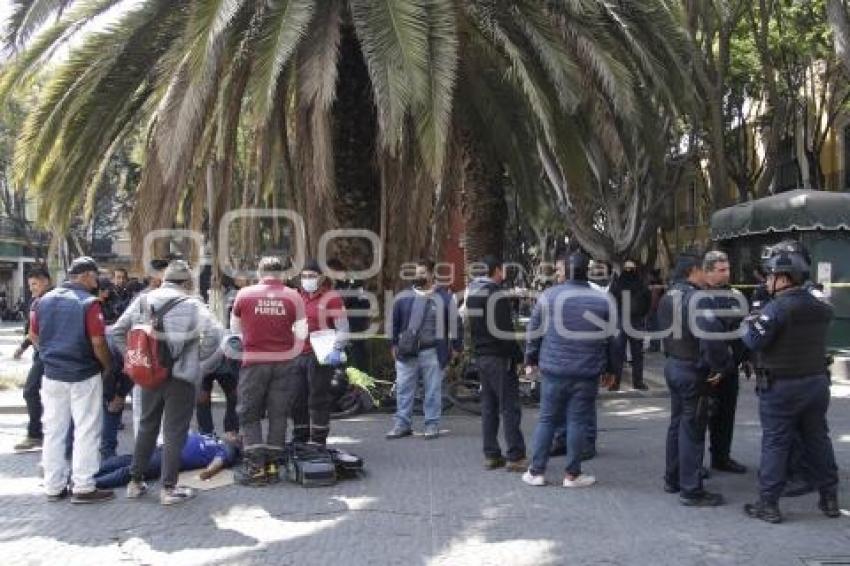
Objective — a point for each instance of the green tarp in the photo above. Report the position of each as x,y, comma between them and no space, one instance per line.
794,210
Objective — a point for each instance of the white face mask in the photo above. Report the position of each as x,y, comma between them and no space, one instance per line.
310,285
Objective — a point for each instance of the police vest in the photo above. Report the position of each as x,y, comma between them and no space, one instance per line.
799,348
677,300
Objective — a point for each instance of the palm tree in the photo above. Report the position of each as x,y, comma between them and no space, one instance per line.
357,113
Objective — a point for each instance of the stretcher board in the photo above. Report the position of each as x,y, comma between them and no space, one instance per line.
191,478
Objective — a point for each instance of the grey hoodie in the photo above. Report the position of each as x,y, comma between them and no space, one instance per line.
193,334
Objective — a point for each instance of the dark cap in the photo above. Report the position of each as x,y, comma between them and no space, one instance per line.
312,265
577,265
104,284
81,265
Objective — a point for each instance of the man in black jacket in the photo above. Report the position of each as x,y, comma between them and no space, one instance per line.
633,302
496,355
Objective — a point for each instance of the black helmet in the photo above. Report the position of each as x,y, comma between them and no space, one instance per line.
788,247
792,264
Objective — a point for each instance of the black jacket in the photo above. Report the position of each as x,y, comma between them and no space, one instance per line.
484,343
640,298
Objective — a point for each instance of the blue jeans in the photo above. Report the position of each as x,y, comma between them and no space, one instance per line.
407,374
32,396
115,471
563,399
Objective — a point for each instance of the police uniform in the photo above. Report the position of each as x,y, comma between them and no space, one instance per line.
721,421
789,338
690,362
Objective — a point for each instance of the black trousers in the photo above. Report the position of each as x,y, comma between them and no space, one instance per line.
203,412
311,414
171,405
688,421
500,401
721,422
32,396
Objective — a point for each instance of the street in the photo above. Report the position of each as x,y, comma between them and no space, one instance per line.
430,502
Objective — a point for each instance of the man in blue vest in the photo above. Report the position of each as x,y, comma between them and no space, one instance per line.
67,327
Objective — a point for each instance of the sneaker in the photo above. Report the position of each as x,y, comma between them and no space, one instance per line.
829,505
768,512
671,487
174,495
136,489
54,497
28,443
703,499
431,432
640,386
533,479
517,465
493,463
398,431
581,480
96,496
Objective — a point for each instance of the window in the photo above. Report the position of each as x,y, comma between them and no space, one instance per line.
787,176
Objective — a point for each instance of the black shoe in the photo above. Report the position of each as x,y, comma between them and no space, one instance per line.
728,465
398,431
494,463
763,510
588,454
703,499
829,505
640,386
796,488
558,449
96,496
252,472
671,488
59,496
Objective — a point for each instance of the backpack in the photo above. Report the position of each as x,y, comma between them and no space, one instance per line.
148,360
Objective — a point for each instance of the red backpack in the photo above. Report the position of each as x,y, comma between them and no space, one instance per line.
148,360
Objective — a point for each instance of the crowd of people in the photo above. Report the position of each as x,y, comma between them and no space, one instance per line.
273,361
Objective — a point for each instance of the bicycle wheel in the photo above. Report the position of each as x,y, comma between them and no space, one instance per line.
466,395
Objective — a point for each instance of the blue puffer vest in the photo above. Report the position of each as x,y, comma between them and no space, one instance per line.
63,344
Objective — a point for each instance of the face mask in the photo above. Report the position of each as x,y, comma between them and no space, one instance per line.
310,285
420,283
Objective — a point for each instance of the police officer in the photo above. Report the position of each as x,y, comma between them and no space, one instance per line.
789,338
721,421
693,365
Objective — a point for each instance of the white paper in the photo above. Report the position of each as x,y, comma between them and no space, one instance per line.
322,342
825,277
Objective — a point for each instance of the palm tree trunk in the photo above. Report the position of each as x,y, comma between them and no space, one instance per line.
358,181
485,211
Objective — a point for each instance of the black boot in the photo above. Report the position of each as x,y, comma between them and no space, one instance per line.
829,505
763,510
253,470
702,499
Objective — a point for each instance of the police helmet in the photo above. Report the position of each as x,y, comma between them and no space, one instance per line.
792,264
788,247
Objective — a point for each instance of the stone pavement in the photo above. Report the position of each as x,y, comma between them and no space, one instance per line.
431,503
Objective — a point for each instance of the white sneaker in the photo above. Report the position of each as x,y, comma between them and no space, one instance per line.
174,495
531,479
136,489
582,480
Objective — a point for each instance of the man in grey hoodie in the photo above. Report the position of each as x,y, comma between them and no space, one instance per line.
193,335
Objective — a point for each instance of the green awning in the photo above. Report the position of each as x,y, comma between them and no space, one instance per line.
794,210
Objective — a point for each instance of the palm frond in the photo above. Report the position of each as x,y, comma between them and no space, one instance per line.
28,15
393,36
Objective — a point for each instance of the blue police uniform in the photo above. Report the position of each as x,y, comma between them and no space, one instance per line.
691,360
789,336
